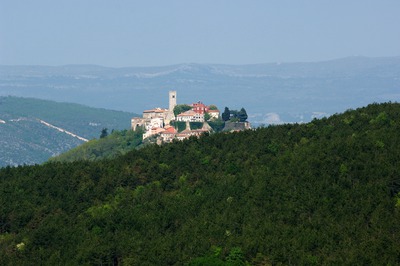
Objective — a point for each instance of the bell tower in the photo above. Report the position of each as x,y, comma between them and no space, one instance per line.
172,100
172,103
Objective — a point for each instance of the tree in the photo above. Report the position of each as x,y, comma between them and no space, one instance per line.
212,107
226,114
207,116
180,108
242,115
233,114
236,257
217,125
104,133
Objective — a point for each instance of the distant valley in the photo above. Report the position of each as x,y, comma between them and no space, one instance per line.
34,130
271,93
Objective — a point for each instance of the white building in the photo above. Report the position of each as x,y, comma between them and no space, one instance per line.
190,116
214,114
155,123
153,131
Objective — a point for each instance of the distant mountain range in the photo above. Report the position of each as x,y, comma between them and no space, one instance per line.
271,93
32,130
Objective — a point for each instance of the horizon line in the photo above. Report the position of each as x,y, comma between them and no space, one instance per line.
194,63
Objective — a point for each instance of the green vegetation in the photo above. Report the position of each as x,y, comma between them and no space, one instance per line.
234,115
321,193
207,116
107,147
212,107
180,108
104,133
178,125
226,114
242,115
196,125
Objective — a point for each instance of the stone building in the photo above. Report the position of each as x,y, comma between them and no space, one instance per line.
157,117
137,122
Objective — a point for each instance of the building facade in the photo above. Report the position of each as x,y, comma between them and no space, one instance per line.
190,116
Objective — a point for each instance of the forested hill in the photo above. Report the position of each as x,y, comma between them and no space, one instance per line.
115,144
326,192
30,128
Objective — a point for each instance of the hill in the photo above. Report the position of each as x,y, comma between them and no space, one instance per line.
33,130
325,192
267,90
121,142
109,147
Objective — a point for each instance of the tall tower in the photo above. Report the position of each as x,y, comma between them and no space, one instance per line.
172,103
172,100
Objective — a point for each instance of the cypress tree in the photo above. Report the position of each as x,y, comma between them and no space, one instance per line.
226,114
242,115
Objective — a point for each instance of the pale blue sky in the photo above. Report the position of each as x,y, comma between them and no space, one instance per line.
150,33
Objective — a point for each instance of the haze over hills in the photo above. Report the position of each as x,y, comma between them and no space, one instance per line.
271,93
33,130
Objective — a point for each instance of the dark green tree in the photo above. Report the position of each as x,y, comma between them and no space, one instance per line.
180,108
207,116
236,257
212,107
217,124
226,114
242,115
104,133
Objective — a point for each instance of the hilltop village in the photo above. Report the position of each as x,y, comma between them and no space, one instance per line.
184,120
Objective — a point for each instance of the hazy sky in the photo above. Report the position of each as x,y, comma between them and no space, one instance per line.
150,33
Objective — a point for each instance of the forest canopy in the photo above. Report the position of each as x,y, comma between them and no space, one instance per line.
325,192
